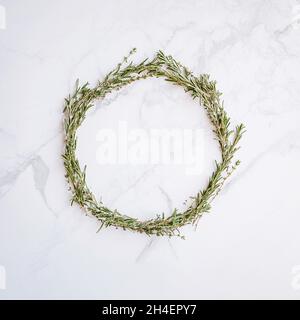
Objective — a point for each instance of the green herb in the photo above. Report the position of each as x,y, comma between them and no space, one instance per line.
201,88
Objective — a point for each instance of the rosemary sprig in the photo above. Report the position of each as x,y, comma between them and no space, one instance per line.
202,88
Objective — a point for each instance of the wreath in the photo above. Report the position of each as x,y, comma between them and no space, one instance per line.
202,88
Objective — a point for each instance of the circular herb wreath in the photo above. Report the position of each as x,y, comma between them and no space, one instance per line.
202,88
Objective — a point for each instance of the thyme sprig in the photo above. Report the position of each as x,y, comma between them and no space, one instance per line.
201,88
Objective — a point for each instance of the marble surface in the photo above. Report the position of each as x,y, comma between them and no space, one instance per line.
247,247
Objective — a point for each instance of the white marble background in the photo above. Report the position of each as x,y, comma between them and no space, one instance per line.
247,247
